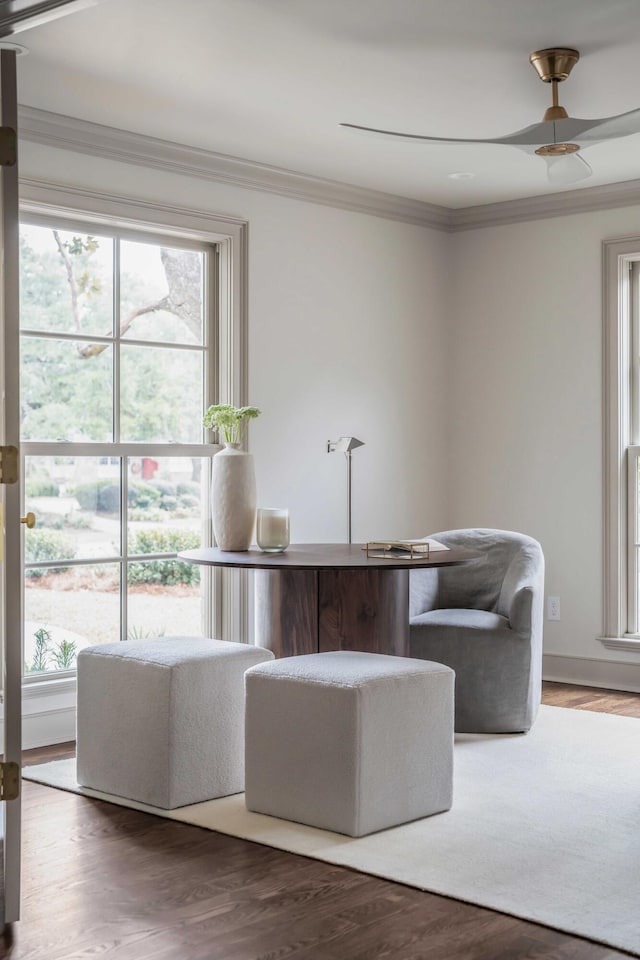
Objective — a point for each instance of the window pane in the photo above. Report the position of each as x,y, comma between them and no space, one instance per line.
164,599
76,501
66,609
66,281
161,394
66,389
166,496
161,293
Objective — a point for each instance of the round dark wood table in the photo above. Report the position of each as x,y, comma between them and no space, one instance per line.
315,597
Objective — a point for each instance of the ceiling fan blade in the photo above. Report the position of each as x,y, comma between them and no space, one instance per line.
535,135
415,137
568,169
609,128
569,130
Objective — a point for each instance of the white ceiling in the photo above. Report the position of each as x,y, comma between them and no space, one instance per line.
270,80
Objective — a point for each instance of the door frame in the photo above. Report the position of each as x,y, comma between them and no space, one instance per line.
11,625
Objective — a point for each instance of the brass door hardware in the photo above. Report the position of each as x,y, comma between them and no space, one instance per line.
9,781
8,464
8,147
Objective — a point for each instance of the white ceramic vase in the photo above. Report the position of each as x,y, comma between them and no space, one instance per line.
233,498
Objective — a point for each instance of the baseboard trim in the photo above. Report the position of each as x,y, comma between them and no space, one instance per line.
591,672
46,727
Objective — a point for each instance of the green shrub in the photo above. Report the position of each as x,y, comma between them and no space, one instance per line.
109,498
142,495
149,514
167,572
79,523
104,496
189,487
52,521
47,545
188,502
166,488
40,487
100,495
87,494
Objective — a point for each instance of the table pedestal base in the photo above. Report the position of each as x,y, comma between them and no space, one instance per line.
309,611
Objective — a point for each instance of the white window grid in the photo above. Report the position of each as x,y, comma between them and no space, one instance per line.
124,450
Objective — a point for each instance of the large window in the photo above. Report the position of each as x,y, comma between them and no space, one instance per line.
622,445
118,362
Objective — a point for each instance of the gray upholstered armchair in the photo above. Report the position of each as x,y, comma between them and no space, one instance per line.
485,621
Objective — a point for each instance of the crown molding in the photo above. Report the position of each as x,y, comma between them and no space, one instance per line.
14,18
585,200
94,139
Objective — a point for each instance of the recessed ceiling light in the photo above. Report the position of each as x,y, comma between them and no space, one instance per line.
461,175
18,49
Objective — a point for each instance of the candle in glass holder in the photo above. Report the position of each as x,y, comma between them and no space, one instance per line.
272,529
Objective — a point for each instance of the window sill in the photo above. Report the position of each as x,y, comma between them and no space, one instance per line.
48,687
627,644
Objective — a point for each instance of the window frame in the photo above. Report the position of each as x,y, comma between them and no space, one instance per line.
69,205
123,450
621,439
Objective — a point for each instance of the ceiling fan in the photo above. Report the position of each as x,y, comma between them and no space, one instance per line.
558,137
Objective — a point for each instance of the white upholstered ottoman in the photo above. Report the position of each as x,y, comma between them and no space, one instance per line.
350,742
162,721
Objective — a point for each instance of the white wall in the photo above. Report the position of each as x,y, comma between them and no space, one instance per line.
525,363
347,335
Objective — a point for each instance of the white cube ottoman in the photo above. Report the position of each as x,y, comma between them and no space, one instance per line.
350,742
161,721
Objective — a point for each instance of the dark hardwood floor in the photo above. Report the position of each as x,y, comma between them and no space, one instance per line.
102,881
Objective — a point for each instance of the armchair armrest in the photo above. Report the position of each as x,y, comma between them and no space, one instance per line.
522,595
521,610
526,613
423,591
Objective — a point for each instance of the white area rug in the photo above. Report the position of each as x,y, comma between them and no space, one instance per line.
545,827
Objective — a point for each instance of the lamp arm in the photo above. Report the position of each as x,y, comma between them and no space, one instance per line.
348,456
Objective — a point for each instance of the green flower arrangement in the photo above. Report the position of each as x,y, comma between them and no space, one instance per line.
231,422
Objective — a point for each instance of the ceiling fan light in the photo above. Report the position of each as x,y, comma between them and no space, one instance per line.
557,149
567,168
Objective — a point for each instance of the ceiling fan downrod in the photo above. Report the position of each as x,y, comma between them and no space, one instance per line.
553,66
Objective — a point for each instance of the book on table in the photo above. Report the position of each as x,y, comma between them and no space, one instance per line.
403,549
